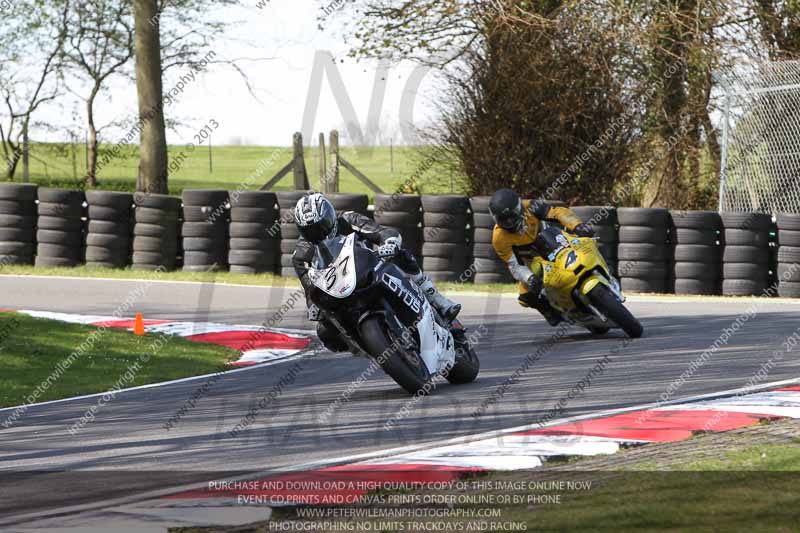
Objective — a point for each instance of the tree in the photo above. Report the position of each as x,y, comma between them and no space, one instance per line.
99,46
536,94
534,87
32,45
433,32
188,31
685,42
152,176
780,27
542,108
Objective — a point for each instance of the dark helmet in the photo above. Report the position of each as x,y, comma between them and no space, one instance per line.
506,208
315,217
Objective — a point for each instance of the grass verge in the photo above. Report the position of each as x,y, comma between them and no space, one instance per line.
261,280
740,480
31,348
752,489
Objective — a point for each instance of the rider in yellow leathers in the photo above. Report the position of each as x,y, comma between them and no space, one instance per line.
514,240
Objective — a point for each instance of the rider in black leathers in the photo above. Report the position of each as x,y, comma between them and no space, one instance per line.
316,219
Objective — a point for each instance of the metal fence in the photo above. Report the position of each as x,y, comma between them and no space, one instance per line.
761,138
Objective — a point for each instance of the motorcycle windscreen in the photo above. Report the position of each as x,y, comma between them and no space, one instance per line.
333,269
550,241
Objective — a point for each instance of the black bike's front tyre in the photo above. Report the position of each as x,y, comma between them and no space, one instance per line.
607,303
408,370
467,365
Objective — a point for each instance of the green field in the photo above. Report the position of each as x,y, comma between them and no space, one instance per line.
30,349
235,166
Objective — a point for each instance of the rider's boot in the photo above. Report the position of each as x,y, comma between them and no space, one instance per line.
550,313
446,307
540,303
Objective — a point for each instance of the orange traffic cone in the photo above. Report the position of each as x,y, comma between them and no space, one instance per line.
138,326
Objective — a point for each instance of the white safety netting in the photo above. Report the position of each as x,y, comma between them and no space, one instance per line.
761,138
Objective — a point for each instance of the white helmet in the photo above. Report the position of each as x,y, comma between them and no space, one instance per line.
315,217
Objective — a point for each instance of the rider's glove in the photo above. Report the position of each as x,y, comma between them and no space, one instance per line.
314,314
583,230
534,284
389,248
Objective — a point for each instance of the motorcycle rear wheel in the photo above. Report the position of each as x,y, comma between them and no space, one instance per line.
407,369
608,304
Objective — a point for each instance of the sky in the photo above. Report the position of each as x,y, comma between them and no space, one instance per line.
286,32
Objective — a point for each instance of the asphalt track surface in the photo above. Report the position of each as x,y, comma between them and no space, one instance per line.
127,449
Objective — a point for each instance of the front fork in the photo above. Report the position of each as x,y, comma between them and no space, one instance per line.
583,294
353,344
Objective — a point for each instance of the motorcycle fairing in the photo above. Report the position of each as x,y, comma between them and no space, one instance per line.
579,258
437,349
336,278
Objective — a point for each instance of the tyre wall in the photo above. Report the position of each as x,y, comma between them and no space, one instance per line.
651,250
110,229
402,212
788,257
644,254
696,237
18,224
252,248
205,230
446,237
156,232
60,227
746,253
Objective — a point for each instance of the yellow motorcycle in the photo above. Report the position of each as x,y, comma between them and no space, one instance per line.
579,284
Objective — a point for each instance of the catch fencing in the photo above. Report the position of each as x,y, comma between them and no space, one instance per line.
761,138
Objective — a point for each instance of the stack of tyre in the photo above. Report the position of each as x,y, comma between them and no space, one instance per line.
349,202
746,253
603,221
695,236
788,269
108,240
252,249
488,267
402,212
205,230
17,224
59,235
644,252
446,236
156,231
287,200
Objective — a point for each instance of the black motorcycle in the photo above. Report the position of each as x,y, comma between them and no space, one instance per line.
382,314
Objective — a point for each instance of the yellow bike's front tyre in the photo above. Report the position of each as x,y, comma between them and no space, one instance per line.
607,303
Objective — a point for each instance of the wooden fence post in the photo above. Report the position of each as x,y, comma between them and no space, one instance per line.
300,176
73,144
323,175
333,181
26,169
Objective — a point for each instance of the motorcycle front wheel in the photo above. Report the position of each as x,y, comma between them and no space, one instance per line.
407,369
607,303
467,364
